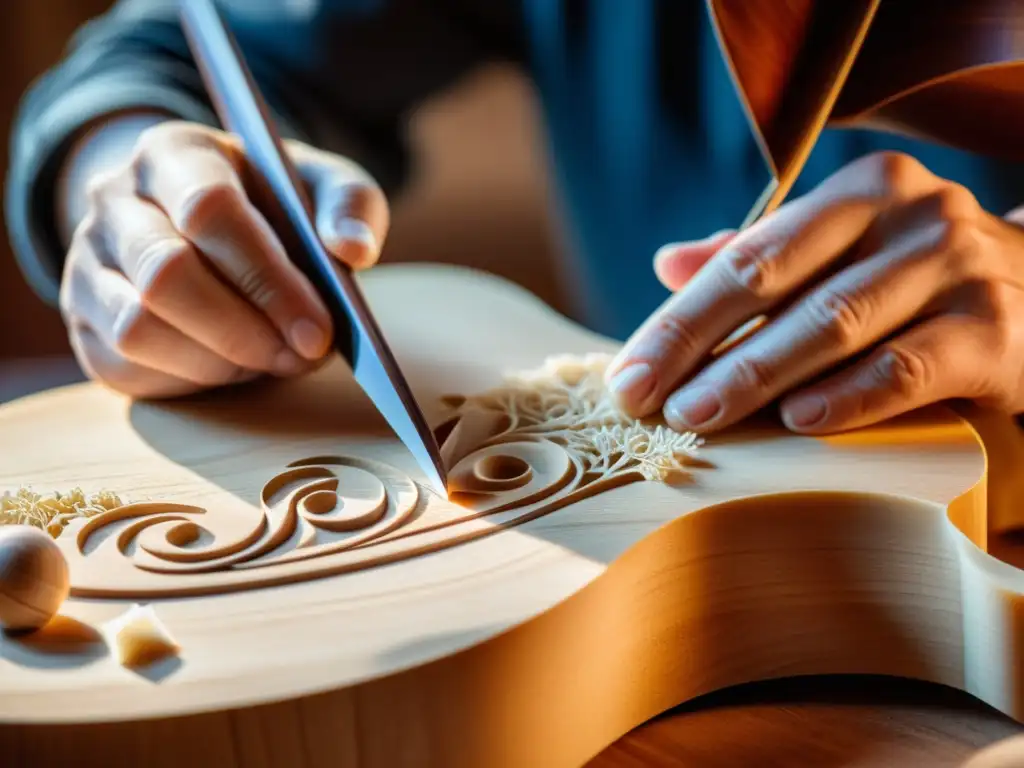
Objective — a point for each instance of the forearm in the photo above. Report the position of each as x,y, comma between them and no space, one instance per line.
100,146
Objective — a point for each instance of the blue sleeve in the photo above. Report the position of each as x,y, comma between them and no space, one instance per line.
341,74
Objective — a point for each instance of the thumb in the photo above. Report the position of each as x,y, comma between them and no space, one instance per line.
352,219
676,264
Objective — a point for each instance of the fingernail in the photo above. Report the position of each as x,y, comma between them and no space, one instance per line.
632,385
804,411
308,339
287,363
692,409
354,231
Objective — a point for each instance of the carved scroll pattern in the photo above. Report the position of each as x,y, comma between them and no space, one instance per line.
543,440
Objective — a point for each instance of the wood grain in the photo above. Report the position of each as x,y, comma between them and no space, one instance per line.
544,641
820,722
888,551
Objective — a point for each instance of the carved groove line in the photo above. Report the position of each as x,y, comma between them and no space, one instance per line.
355,500
546,439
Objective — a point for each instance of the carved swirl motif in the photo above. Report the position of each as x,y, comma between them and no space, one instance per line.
316,506
546,440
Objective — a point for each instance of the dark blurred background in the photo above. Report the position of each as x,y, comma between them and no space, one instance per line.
481,190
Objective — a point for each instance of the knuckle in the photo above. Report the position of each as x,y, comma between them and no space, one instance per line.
677,333
164,142
906,371
158,135
202,208
129,330
154,142
256,282
170,134
841,316
1007,330
896,171
1003,326
960,243
102,188
96,190
748,268
955,202
754,373
992,300
162,268
91,233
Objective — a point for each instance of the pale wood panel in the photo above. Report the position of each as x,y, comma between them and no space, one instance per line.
434,642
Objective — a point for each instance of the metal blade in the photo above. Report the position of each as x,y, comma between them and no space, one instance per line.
279,193
371,371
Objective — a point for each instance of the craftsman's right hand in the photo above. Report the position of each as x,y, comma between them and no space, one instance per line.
174,282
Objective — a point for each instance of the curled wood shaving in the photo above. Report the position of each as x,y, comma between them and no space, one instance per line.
565,401
53,512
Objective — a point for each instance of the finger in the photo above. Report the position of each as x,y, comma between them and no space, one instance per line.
851,311
113,310
943,358
759,269
739,282
199,188
352,215
177,285
677,263
104,365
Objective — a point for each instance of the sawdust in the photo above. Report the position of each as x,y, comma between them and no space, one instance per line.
53,512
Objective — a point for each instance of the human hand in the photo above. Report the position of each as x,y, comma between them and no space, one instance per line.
888,288
175,282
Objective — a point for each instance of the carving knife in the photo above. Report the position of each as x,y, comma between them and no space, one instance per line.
283,199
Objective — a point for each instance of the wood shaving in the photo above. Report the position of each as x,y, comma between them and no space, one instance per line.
52,513
139,638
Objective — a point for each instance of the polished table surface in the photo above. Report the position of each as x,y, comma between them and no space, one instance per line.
845,722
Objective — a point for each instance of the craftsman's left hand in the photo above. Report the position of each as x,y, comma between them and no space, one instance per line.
888,288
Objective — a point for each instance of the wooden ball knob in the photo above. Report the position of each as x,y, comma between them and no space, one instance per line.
1008,753
34,578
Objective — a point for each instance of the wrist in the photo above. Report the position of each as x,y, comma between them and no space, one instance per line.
99,146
